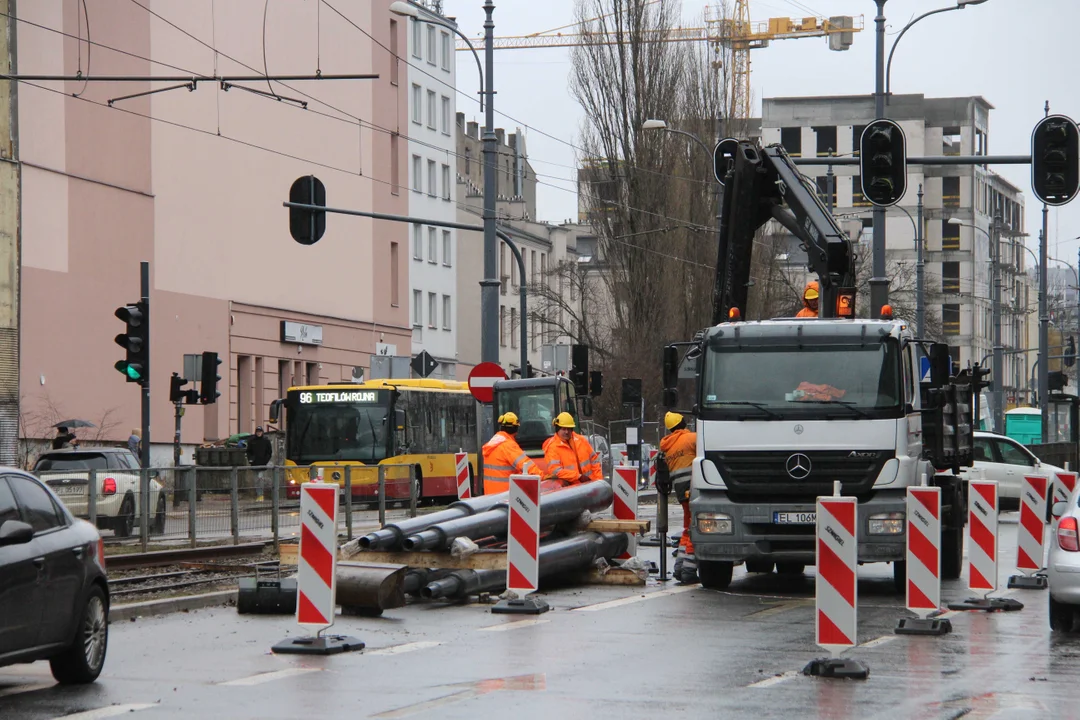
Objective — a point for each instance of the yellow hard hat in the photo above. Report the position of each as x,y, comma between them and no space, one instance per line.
811,293
564,420
672,419
508,419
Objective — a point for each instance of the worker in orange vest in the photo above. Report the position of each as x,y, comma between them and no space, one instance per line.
810,298
679,447
569,456
503,457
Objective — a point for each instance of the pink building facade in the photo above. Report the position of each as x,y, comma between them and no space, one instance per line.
193,181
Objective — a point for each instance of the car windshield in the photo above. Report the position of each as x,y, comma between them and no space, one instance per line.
71,461
337,432
535,408
772,382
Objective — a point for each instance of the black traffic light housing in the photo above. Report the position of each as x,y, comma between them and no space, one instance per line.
1070,352
1056,381
883,162
208,391
307,226
596,383
579,368
177,393
1055,160
136,342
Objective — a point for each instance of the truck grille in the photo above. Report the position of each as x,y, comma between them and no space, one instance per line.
761,475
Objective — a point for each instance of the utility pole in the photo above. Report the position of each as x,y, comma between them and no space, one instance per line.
489,293
995,301
879,283
1044,321
920,271
10,239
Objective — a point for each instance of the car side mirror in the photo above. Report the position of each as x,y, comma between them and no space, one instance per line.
275,411
1057,509
15,532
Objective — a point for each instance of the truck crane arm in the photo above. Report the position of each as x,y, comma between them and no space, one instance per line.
763,184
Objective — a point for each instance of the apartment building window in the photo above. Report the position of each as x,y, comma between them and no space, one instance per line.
431,247
532,267
445,182
447,250
393,52
503,277
950,192
417,39
395,170
431,109
950,141
445,312
445,115
543,267
433,309
431,178
791,139
502,326
980,142
513,328
950,278
431,44
950,236
417,308
514,273
826,140
418,242
857,197
950,319
394,267
856,137
418,173
822,183
445,40
417,99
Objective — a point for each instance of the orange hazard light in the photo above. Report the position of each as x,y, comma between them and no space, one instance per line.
845,303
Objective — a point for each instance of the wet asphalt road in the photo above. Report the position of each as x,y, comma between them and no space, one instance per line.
602,652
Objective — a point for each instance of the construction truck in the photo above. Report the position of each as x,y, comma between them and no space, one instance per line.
538,400
791,409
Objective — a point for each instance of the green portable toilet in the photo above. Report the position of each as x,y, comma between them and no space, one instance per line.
1024,425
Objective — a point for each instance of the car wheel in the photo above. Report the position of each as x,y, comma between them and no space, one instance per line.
952,552
1062,616
714,574
158,528
124,520
790,568
82,662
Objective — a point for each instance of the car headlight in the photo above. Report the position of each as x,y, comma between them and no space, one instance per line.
715,523
886,524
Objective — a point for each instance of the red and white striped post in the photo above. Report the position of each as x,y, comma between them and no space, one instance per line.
923,563
624,506
836,589
652,466
523,548
1064,484
461,462
316,574
1034,492
982,548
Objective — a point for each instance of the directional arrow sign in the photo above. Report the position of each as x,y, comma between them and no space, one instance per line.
423,364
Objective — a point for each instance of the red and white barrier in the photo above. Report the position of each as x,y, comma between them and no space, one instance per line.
982,535
316,575
652,466
464,490
624,506
523,538
1029,547
923,550
837,559
1064,484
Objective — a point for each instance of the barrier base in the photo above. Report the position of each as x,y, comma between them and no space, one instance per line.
520,606
1029,582
837,668
920,626
320,645
988,605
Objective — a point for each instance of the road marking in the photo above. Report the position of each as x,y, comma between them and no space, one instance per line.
775,679
637,598
19,689
515,625
777,608
107,712
471,690
407,647
878,641
270,676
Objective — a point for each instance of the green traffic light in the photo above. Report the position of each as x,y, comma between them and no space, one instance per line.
131,371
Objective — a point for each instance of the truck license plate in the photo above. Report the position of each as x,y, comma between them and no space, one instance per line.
794,518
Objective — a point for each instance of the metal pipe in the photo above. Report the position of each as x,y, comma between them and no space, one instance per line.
370,585
920,271
462,583
391,535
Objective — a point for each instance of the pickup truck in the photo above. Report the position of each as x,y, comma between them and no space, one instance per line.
67,473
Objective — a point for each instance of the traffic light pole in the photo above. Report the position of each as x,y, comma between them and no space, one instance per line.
879,283
1044,330
995,302
144,445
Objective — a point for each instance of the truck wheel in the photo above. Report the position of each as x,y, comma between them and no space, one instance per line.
714,574
1062,616
899,577
790,568
759,566
952,552
124,520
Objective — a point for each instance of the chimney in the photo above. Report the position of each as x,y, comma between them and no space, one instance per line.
461,122
501,135
473,130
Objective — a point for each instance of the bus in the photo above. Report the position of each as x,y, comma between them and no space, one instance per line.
421,423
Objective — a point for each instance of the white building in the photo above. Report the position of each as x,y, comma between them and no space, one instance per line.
432,145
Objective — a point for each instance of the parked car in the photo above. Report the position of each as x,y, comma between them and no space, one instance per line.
1063,565
1007,461
67,473
54,594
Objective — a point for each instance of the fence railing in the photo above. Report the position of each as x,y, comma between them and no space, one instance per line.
224,504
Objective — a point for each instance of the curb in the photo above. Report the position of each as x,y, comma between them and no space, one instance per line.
152,608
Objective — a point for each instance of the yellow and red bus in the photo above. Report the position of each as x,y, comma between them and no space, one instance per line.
421,423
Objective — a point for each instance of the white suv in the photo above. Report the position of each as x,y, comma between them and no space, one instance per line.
67,473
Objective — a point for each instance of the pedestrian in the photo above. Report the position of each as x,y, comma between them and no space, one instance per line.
569,456
63,438
135,443
679,447
810,298
503,457
259,453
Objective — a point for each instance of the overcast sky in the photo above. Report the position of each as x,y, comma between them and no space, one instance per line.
1015,53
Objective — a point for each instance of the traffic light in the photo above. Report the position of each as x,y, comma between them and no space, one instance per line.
1070,352
883,162
579,368
1055,160
177,393
136,342
307,226
208,391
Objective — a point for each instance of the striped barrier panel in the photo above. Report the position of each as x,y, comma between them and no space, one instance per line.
982,535
523,537
836,592
317,558
625,503
464,490
1064,484
923,550
1029,545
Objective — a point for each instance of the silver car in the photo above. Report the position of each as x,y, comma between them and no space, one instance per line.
1063,565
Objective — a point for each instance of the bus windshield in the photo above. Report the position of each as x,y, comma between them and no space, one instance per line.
337,431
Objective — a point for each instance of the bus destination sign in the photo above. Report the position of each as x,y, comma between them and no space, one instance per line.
338,396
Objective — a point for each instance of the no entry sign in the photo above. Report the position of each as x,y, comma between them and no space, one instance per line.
482,380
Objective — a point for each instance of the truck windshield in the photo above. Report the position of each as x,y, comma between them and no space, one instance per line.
334,431
535,408
774,382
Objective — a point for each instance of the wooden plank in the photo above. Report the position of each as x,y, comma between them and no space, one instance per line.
612,525
483,560
614,576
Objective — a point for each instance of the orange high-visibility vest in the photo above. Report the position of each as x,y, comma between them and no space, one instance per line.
572,462
503,457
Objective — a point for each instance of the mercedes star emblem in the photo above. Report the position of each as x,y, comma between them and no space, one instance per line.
798,429
798,466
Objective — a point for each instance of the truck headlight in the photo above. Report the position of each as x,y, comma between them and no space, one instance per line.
886,524
715,523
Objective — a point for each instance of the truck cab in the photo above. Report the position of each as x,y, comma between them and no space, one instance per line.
536,402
